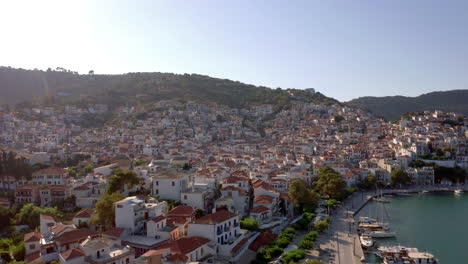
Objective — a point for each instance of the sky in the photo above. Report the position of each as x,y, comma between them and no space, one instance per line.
344,49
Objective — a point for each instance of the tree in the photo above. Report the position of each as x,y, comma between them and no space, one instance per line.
338,118
301,195
330,183
400,176
105,211
249,224
321,225
293,255
30,214
121,178
91,72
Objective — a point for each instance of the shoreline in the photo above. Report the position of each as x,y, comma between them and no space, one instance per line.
431,189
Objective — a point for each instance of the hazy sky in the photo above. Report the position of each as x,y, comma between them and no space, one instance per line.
345,49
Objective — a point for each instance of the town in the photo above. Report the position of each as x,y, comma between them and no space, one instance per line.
185,182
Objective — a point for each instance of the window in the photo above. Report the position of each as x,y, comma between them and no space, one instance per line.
157,191
173,183
157,183
32,246
185,197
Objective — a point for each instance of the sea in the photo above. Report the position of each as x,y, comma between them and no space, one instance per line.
432,222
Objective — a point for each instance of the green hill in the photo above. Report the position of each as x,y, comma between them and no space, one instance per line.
393,107
65,87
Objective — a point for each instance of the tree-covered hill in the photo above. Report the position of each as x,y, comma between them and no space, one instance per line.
61,86
393,107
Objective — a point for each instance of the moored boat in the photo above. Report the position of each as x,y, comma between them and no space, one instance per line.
380,234
458,191
366,241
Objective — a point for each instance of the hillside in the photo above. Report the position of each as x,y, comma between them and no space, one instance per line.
393,107
66,87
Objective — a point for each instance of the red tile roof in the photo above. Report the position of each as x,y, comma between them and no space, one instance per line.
239,245
259,209
34,257
263,239
60,228
114,232
86,213
47,217
72,253
264,199
185,245
182,210
32,237
158,218
75,236
219,216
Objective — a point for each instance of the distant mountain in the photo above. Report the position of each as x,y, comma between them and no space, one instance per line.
65,87
393,107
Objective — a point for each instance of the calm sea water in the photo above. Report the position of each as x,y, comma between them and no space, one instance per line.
436,222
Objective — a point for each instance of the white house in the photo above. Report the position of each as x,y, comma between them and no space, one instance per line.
132,212
170,183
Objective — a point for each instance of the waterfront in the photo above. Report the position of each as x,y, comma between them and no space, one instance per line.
433,222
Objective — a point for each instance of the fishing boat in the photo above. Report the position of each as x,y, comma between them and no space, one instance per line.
380,234
402,255
424,191
366,241
458,191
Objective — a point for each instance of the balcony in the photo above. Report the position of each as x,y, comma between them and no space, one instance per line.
219,231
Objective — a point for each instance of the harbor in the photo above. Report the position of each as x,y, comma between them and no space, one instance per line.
400,225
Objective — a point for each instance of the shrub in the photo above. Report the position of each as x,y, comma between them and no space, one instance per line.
249,224
306,244
293,255
321,225
282,242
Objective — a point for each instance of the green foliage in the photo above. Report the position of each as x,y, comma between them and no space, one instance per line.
338,118
330,203
120,179
455,175
305,244
30,214
140,162
105,211
313,261
329,183
12,249
400,177
12,165
18,251
88,168
293,255
268,253
370,182
321,225
301,195
249,224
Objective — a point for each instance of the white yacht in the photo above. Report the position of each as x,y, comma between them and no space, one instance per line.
366,241
458,191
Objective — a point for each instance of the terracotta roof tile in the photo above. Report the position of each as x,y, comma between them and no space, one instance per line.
72,253
32,237
219,216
